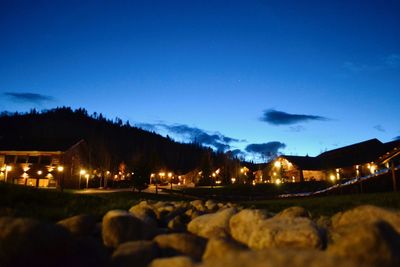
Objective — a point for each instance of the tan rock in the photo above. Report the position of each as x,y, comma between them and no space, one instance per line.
280,258
120,226
212,225
134,253
181,243
79,225
293,212
221,247
243,223
365,214
370,243
179,261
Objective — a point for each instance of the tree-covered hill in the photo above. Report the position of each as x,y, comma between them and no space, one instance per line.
111,142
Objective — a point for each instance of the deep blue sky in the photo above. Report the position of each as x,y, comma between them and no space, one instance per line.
194,67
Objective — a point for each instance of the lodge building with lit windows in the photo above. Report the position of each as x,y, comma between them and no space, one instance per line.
42,163
356,160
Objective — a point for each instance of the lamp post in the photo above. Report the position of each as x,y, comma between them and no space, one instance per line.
81,172
8,169
60,170
87,181
170,179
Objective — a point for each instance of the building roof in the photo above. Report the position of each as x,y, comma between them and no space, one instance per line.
304,162
359,153
351,155
36,144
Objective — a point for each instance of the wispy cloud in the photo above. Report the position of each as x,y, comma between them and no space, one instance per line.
265,150
276,117
28,97
388,62
297,128
392,60
193,134
379,128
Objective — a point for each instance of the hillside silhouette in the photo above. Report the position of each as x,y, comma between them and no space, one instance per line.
112,142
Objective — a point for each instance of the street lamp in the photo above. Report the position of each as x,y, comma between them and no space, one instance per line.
60,169
170,178
87,181
8,169
81,172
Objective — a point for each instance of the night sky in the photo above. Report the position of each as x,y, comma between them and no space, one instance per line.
297,77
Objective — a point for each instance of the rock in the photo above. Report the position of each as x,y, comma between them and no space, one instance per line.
198,205
147,216
80,225
27,242
293,212
367,213
178,224
181,243
370,244
193,213
135,253
279,232
212,225
220,247
211,205
143,212
280,258
179,261
245,222
120,226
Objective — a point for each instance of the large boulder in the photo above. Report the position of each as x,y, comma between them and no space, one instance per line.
245,222
27,242
294,232
181,244
371,244
280,258
365,214
293,212
198,205
178,261
80,225
120,226
212,225
135,253
220,247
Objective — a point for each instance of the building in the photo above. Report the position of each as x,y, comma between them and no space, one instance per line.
347,162
42,163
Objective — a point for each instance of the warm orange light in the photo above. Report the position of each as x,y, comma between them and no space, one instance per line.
8,168
82,172
39,172
60,168
277,164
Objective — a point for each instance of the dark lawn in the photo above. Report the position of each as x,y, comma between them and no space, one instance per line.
52,205
329,205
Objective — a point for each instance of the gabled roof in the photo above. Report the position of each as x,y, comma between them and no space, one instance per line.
305,163
36,144
351,155
359,153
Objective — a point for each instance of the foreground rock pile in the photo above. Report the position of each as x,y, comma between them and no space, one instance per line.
202,234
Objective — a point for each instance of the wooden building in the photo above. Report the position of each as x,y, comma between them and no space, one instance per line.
42,163
347,162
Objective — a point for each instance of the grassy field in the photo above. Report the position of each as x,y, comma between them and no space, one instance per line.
329,205
51,205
